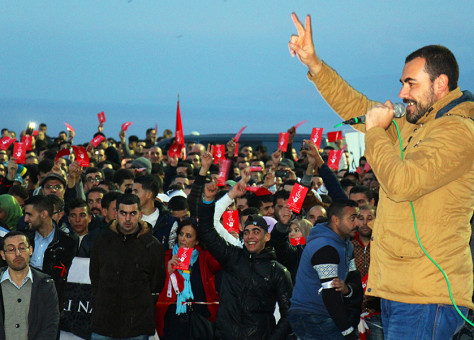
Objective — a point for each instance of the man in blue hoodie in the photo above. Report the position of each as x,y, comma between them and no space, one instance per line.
327,297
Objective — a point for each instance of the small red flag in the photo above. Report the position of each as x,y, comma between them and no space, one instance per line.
334,158
297,196
334,136
19,153
231,220
283,141
101,116
316,136
97,140
5,142
28,140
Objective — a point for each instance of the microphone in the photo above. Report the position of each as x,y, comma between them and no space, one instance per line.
399,110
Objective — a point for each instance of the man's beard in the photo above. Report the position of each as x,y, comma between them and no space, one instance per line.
421,109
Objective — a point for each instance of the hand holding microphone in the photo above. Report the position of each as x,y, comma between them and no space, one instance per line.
379,115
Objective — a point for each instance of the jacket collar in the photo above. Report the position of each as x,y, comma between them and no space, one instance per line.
143,228
432,111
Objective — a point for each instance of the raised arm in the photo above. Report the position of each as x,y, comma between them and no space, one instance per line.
302,46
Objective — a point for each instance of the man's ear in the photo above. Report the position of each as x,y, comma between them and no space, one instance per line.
3,255
268,236
440,85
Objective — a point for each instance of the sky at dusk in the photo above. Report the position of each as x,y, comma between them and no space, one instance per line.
228,60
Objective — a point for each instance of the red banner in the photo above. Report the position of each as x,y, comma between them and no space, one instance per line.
283,141
19,153
297,196
334,158
81,156
97,140
231,220
224,167
126,125
5,142
218,153
316,136
101,116
184,256
28,141
295,241
334,136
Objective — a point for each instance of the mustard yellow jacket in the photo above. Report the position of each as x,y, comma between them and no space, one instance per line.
437,175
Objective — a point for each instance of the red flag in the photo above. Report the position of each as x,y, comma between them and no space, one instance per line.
219,153
231,221
259,191
300,123
334,136
178,144
236,152
101,116
28,140
316,135
184,256
297,196
297,240
224,167
69,127
334,158
81,156
237,136
283,141
61,153
19,153
97,140
126,125
5,142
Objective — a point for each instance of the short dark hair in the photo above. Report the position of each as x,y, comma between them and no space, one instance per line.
41,203
178,203
337,207
122,174
128,199
283,194
109,198
346,182
94,169
12,234
77,203
96,189
149,130
149,183
19,191
362,189
58,204
132,139
46,165
438,60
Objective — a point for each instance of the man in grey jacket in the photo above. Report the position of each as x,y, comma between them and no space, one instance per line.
29,302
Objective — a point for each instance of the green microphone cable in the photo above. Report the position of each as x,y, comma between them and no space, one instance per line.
422,248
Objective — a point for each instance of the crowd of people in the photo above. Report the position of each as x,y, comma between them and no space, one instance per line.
167,257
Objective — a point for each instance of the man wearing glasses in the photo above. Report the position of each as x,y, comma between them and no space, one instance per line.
30,303
93,178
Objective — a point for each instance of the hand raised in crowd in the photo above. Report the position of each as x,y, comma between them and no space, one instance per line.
57,168
302,46
379,115
71,135
245,175
269,179
100,128
206,161
173,160
174,261
285,214
12,168
75,171
239,189
231,145
291,134
276,158
314,157
122,136
340,286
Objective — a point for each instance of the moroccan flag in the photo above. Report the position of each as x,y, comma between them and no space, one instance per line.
178,134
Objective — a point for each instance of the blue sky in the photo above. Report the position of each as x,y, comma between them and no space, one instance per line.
228,60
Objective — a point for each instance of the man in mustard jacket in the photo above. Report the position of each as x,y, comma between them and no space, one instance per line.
436,174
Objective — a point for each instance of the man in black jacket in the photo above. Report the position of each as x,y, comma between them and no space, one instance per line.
127,271
29,303
53,249
253,281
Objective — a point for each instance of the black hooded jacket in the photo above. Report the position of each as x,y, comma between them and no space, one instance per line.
251,285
